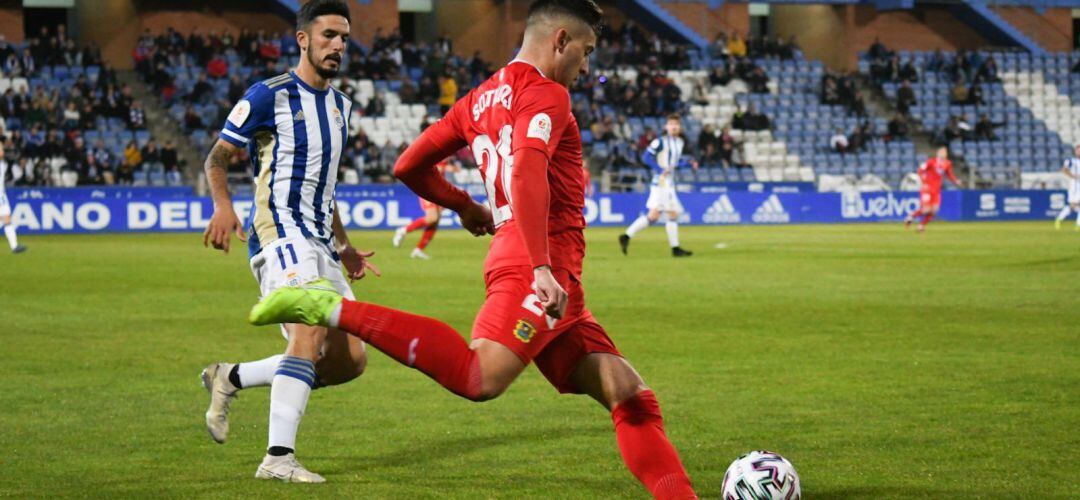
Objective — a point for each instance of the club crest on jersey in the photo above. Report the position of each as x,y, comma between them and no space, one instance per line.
338,120
501,95
292,279
524,331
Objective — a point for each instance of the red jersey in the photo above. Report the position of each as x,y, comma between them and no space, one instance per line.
932,171
520,108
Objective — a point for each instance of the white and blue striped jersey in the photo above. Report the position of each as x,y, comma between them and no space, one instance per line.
664,153
295,134
1073,166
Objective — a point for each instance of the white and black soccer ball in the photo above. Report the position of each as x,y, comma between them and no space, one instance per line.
761,475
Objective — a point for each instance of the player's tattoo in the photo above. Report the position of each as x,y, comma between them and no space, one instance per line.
217,159
216,168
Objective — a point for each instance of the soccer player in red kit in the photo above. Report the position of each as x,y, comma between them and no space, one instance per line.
528,147
931,173
429,221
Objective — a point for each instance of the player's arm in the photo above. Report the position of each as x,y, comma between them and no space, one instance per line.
538,127
649,158
1067,171
254,112
952,177
355,261
416,168
224,222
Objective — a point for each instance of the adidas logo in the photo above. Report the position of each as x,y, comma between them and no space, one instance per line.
299,116
771,212
722,212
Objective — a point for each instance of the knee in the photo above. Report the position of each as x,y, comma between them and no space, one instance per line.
487,392
431,220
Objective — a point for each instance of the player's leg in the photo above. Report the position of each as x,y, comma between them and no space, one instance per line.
1076,208
584,360
431,221
343,358
674,207
652,205
224,380
289,392
9,228
1064,214
928,215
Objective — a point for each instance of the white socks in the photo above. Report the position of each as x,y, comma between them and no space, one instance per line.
258,373
288,398
9,231
1065,213
642,222
672,233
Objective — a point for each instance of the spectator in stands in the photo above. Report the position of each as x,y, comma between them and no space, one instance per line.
736,46
959,95
898,128
151,156
136,116
448,90
76,160
984,128
169,157
857,106
861,136
967,132
908,73
758,81
719,46
720,75
751,119
71,117
905,98
708,145
830,90
728,145
217,67
602,129
839,142
376,106
1076,67
622,129
951,132
878,51
975,95
202,91
988,72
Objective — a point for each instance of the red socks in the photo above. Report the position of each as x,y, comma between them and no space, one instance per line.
417,223
927,218
428,345
429,233
639,429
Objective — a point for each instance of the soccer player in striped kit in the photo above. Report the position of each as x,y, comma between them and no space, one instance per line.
5,209
663,156
294,125
1071,169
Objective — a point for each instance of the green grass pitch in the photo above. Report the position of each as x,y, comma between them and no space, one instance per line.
882,363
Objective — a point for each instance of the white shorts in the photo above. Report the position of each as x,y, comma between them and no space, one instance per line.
1074,194
663,199
295,261
5,208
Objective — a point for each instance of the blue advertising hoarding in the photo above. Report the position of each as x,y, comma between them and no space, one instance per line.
383,207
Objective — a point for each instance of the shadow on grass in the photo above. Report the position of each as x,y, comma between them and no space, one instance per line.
881,492
1045,262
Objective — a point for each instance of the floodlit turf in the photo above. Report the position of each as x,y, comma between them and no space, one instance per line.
882,363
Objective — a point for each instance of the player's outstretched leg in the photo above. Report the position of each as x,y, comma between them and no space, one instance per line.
910,218
635,227
223,380
1062,215
428,345
399,235
12,237
672,227
639,425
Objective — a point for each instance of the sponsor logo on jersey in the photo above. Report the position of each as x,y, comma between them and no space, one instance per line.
240,113
722,212
299,116
540,127
524,331
771,212
500,95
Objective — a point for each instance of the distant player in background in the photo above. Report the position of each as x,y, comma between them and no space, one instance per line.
931,173
429,221
5,209
1071,169
663,156
295,125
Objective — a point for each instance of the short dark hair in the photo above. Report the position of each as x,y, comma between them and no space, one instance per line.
315,8
675,117
584,10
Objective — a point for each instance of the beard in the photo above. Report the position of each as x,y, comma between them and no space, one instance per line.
323,71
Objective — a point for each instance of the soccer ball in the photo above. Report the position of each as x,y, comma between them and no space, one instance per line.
761,475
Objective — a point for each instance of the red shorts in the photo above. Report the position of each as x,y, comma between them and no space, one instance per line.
513,316
928,198
427,205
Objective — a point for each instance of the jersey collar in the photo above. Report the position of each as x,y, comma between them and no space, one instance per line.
520,60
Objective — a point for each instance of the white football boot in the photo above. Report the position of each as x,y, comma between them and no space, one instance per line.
419,254
215,379
286,468
399,235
